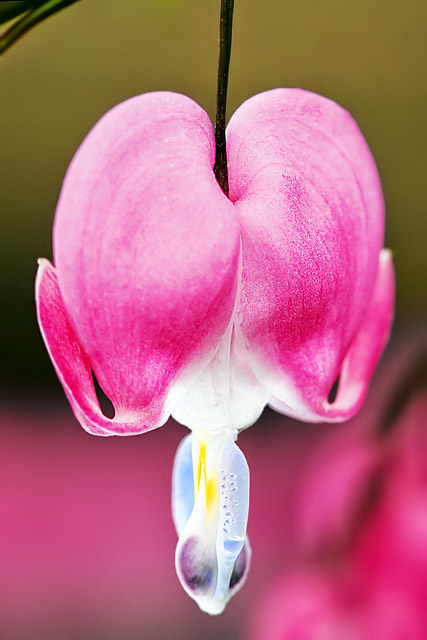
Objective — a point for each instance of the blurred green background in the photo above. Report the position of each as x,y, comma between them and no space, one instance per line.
370,56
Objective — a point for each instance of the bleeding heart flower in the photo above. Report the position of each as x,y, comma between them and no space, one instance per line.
182,301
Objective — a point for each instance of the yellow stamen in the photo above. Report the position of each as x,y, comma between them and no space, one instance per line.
211,484
201,466
211,493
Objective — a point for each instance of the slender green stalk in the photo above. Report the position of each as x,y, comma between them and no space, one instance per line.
11,10
225,31
30,19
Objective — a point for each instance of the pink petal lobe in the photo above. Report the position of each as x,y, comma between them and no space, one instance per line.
366,348
146,250
71,363
307,192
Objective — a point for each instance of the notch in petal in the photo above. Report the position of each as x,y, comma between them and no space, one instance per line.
72,365
362,355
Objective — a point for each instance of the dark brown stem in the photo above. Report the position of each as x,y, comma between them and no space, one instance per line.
225,31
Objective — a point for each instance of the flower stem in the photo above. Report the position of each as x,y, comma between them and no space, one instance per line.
38,12
225,30
11,10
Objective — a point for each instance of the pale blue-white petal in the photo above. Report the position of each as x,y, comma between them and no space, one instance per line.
213,553
182,484
233,475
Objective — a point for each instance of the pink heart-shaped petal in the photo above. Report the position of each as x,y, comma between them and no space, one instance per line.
309,199
159,274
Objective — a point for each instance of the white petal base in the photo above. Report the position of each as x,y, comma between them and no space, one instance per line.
226,395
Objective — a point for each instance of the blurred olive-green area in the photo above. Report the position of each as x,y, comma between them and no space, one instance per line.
370,56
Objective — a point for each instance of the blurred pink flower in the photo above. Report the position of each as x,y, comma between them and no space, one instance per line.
321,605
187,303
392,548
331,487
360,525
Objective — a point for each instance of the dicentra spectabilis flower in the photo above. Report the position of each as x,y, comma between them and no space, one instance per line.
187,303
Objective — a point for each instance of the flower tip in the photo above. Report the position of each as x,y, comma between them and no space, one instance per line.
43,267
213,607
387,254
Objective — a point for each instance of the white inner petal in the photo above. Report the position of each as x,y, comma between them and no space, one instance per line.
226,395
